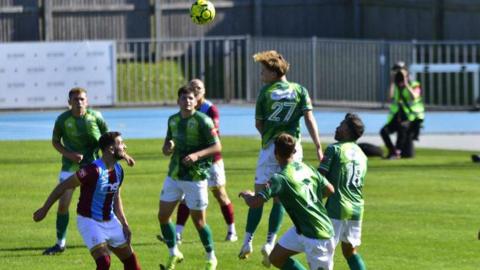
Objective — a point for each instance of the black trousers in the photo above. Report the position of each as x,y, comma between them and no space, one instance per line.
405,137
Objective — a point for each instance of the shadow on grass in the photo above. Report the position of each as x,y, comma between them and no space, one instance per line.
19,250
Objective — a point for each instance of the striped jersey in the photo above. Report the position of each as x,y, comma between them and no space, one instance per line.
300,189
98,189
208,108
346,167
190,135
280,106
79,134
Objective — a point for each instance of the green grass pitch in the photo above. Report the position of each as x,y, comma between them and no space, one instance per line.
421,213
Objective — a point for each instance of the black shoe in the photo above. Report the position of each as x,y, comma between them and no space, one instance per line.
54,250
476,158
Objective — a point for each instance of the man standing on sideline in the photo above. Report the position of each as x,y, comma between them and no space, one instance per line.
192,140
279,107
216,180
345,166
101,220
75,136
300,188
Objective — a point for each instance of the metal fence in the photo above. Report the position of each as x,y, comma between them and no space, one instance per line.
336,72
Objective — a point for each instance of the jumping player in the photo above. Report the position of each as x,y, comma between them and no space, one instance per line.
279,108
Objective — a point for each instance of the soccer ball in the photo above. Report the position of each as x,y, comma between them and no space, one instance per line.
202,12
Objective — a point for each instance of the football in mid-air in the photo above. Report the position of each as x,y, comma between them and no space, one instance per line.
202,12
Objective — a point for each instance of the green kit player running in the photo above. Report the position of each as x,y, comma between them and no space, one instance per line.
192,140
300,189
345,166
279,108
75,136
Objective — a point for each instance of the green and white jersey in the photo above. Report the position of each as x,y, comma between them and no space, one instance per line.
280,106
346,167
190,135
79,134
300,189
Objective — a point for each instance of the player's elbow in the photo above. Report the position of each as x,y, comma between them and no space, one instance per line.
329,190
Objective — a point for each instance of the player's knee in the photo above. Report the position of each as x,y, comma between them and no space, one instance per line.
103,262
348,250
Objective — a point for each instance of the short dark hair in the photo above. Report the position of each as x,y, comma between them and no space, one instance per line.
76,91
108,139
185,90
285,145
355,125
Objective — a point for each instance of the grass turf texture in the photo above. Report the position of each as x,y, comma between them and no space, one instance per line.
420,213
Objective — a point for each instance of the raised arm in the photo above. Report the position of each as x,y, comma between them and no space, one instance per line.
57,192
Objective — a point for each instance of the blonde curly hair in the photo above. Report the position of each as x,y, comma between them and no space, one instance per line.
273,61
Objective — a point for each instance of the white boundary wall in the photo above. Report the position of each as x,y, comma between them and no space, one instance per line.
40,74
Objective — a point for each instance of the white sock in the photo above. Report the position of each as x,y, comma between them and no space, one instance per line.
211,255
248,238
174,250
271,237
179,229
231,228
62,242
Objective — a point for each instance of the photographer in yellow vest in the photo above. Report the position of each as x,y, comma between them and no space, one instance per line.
406,113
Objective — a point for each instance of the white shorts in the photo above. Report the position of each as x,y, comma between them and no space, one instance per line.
267,164
95,233
64,175
319,252
217,174
348,231
195,193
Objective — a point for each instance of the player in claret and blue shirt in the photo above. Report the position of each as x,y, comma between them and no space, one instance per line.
101,220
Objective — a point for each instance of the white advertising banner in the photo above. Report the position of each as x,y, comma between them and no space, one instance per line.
40,74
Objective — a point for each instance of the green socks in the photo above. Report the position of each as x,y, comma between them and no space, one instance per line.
355,262
62,223
206,237
276,217
292,264
168,232
253,219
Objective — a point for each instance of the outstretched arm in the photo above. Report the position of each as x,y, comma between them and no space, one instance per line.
311,124
251,199
70,183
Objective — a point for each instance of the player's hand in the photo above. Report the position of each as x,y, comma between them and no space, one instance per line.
75,157
40,214
130,161
168,147
190,159
246,193
127,233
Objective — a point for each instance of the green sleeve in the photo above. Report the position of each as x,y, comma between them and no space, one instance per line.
57,131
305,102
102,125
328,158
169,132
259,107
273,188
